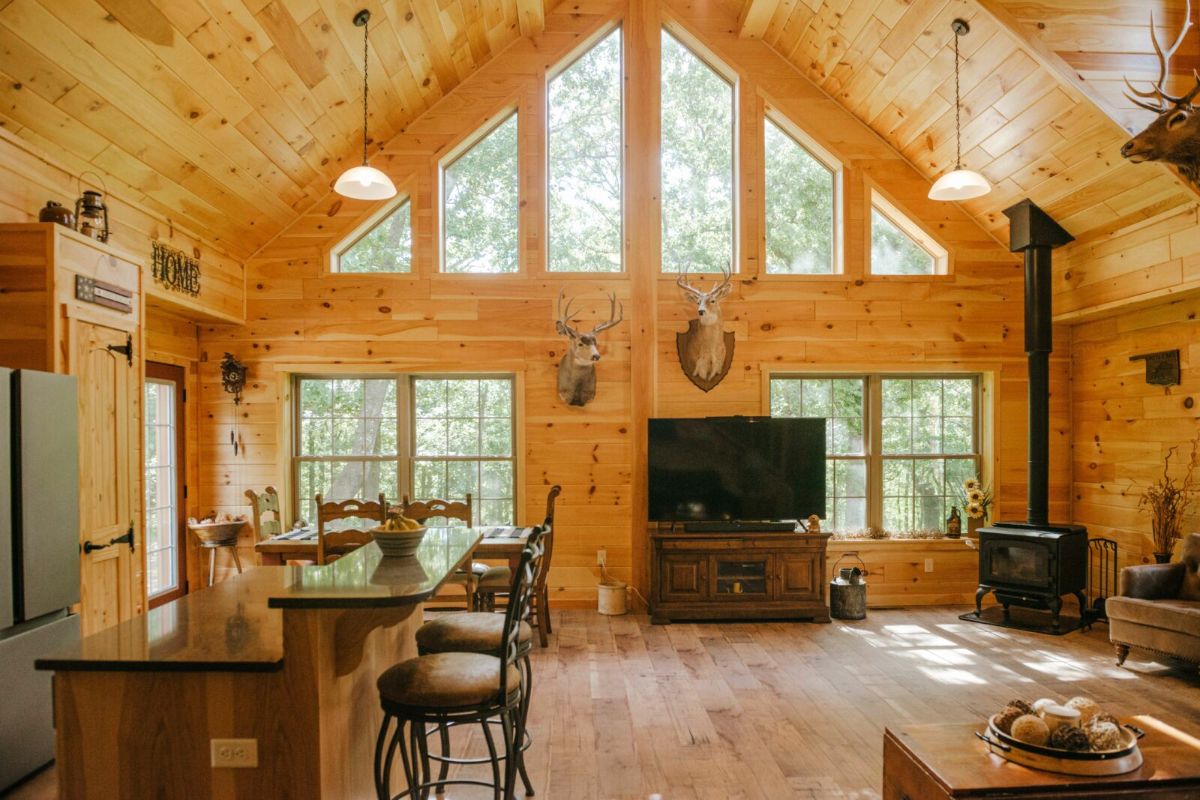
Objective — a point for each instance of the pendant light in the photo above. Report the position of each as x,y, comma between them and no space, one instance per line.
364,182
959,184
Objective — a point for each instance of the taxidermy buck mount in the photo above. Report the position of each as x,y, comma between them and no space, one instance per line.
705,348
577,369
1174,135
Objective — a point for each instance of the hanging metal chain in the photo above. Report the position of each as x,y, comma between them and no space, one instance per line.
957,108
365,62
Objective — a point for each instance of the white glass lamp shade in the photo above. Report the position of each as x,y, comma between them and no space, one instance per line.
365,183
961,184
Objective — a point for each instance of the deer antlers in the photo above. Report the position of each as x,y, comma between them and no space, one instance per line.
718,291
616,313
1162,100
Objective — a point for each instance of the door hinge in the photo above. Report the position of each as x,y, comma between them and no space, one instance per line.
124,349
185,497
184,395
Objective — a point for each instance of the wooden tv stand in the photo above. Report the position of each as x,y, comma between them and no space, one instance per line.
743,575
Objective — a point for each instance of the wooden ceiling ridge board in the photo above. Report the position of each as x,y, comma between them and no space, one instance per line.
456,117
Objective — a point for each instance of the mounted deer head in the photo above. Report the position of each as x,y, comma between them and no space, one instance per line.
577,369
1174,135
705,349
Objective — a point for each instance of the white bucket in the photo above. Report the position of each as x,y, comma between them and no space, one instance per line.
613,598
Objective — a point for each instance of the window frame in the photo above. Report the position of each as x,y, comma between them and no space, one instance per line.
509,111
873,427
731,77
406,421
943,262
333,256
562,66
825,158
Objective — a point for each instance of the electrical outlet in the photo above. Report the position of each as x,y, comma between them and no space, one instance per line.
929,565
602,558
235,753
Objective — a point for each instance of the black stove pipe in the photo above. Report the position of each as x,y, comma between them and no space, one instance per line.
1034,233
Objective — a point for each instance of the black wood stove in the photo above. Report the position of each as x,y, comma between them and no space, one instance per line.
1034,563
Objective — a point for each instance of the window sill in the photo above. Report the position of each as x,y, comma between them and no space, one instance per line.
899,543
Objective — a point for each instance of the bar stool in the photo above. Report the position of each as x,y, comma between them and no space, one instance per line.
438,690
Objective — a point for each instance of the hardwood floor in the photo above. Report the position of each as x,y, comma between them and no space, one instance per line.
623,709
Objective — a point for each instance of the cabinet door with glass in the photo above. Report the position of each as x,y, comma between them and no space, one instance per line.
741,576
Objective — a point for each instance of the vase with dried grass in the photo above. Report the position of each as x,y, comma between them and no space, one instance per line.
1169,499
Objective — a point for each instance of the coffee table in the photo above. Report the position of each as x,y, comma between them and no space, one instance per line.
937,762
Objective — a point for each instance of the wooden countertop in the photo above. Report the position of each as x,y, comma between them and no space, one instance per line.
235,625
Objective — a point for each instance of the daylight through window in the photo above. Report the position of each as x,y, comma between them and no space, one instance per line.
480,206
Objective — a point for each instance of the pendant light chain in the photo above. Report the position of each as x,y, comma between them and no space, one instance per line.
957,110
365,62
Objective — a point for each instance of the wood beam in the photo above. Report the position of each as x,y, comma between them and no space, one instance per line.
755,17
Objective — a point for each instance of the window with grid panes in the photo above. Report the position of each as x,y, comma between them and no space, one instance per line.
899,447
346,444
840,401
463,444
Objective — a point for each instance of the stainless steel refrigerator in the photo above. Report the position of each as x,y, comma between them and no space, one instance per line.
39,557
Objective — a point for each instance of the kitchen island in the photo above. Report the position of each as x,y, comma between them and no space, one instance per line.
281,659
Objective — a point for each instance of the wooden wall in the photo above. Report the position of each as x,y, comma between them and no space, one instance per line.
300,317
1124,427
29,177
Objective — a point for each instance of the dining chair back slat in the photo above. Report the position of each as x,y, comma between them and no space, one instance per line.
266,502
332,543
422,510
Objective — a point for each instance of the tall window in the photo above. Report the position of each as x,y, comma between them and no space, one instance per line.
427,437
383,245
162,488
347,444
584,150
899,447
697,163
899,246
463,434
480,205
800,206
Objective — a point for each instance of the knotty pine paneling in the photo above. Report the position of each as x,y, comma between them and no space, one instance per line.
1124,427
301,318
28,178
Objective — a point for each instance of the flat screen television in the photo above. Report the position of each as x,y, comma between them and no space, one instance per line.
736,469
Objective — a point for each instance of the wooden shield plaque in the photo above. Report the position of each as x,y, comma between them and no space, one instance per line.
681,347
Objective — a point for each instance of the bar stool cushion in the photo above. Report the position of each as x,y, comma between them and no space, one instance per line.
473,632
496,579
445,680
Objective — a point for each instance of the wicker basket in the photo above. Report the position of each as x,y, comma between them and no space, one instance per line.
1052,759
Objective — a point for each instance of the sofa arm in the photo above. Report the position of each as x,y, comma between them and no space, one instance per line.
1152,581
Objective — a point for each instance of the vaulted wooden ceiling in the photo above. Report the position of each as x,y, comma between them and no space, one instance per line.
238,114
1028,123
235,114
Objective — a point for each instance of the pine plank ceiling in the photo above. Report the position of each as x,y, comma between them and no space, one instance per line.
235,114
238,114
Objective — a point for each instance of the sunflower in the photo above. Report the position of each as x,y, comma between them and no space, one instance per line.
974,510
971,485
975,496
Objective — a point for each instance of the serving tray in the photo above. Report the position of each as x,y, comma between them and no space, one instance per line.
1092,762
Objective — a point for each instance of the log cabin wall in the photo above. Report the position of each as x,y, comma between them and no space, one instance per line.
302,318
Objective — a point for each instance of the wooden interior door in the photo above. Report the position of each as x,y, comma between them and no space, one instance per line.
109,479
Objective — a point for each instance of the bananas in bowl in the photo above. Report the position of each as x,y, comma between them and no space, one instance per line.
399,536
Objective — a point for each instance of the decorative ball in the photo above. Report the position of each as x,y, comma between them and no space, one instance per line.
1038,705
1068,737
1105,736
1005,719
1030,729
1104,717
1086,706
1021,704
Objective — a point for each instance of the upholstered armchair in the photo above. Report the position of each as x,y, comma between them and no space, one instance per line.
1158,607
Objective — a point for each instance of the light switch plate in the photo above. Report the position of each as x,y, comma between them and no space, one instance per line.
234,753
929,565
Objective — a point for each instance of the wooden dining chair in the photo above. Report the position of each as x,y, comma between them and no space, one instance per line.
424,510
331,544
261,504
497,579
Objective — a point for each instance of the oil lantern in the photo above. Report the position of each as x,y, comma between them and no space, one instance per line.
91,215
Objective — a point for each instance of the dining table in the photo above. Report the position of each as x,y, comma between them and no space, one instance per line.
499,543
